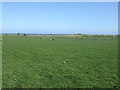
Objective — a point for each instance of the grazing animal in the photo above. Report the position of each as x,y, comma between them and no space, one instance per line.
41,38
1,39
82,37
52,39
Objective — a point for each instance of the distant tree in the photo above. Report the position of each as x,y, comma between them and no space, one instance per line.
18,34
78,34
5,34
74,34
24,34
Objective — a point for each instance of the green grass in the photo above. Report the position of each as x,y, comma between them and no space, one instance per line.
0,62
31,62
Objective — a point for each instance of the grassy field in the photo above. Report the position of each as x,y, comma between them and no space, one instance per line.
66,62
0,62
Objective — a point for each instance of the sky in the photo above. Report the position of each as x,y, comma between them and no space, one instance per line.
60,17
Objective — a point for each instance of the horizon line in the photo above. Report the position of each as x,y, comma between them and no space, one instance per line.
60,33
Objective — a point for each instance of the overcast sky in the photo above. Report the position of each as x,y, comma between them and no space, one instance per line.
60,17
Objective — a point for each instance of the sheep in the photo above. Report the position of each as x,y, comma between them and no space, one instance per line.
1,39
52,39
64,62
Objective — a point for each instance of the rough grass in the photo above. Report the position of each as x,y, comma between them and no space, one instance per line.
0,62
31,62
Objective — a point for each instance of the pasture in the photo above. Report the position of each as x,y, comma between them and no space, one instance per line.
65,62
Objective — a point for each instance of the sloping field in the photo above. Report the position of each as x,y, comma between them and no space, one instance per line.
66,62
